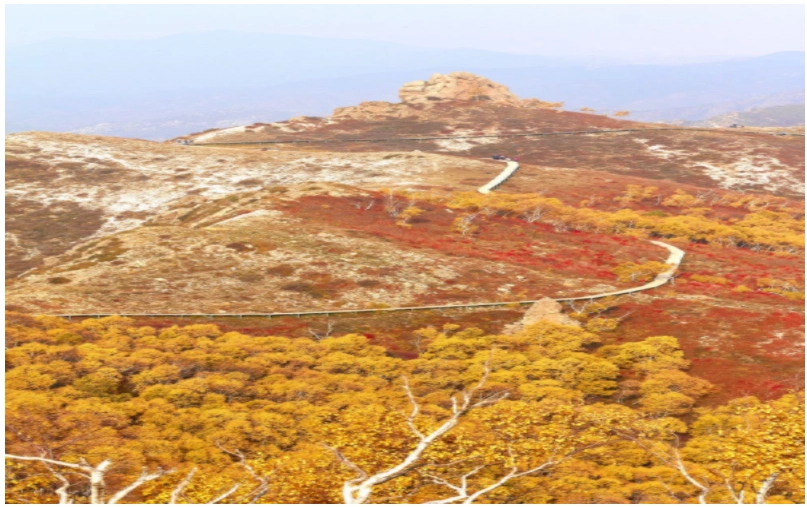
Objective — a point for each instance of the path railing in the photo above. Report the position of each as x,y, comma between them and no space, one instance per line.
674,260
512,166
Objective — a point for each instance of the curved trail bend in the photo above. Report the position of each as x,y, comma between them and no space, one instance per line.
512,167
675,258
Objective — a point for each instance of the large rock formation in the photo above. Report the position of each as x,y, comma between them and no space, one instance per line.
547,310
419,97
456,86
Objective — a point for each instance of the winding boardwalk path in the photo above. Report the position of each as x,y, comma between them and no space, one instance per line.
512,167
674,260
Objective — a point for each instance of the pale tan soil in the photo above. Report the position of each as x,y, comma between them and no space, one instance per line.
245,253
731,159
62,189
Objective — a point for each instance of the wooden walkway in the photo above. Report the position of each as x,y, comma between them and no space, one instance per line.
675,258
512,167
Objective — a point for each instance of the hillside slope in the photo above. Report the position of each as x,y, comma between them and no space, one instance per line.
462,104
110,225
316,246
65,188
791,115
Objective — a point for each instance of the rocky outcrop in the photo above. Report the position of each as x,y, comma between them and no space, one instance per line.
546,310
456,86
374,111
418,97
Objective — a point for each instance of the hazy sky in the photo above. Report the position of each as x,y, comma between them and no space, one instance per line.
628,31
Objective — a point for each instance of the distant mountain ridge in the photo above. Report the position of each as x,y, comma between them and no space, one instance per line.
790,115
161,88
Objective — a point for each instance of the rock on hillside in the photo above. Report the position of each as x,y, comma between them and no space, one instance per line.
544,310
418,98
469,115
456,86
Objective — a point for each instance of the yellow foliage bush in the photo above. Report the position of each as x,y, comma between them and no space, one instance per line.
632,272
236,408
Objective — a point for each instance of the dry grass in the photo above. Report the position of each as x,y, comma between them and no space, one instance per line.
725,159
64,188
314,249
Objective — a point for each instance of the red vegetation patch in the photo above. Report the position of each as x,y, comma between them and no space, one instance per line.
509,241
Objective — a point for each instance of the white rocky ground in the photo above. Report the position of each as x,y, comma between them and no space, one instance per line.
747,168
150,175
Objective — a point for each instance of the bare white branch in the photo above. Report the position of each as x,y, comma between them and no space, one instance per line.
263,481
762,493
176,494
225,494
144,477
410,421
465,497
358,490
62,491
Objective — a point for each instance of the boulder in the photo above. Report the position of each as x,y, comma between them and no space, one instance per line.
547,310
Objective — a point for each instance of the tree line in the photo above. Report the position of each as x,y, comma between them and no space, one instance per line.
104,411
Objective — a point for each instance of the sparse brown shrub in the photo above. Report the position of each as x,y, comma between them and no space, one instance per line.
139,215
52,228
281,270
59,280
263,246
108,251
240,247
80,265
249,182
304,287
367,283
250,277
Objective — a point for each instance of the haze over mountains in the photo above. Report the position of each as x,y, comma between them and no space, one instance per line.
788,115
161,88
